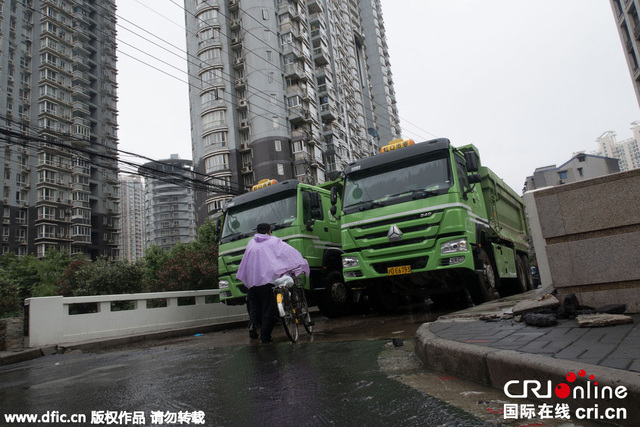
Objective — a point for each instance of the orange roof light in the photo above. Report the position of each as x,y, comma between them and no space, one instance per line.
263,183
395,144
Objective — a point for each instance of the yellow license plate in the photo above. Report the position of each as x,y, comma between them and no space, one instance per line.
403,269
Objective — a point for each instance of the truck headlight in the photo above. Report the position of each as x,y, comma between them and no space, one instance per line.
454,246
223,284
350,261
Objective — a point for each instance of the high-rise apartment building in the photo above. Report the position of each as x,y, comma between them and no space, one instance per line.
169,202
285,89
627,151
626,15
132,217
58,127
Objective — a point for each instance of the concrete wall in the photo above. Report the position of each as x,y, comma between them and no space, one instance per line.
50,322
587,238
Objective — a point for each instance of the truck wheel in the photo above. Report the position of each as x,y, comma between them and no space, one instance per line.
485,286
527,270
520,284
334,301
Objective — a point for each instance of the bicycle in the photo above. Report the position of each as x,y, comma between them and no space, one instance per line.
292,306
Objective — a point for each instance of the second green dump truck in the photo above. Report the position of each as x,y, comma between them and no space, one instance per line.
300,215
428,218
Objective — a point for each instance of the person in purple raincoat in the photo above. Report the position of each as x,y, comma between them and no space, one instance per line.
266,258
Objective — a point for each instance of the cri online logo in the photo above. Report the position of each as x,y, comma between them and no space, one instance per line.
564,390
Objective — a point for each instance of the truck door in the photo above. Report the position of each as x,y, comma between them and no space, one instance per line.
316,225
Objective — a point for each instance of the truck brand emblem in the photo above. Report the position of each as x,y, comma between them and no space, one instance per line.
394,233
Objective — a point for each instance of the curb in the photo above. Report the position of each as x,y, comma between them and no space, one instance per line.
495,367
9,357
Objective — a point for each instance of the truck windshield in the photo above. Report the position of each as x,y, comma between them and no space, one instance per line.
397,183
241,221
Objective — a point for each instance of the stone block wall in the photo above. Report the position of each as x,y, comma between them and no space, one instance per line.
11,334
587,238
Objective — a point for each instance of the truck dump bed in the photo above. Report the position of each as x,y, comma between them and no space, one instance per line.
505,209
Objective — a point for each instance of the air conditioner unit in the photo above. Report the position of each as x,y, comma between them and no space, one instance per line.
242,103
244,124
5,239
235,40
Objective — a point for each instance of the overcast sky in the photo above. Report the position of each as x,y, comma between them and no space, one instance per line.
528,82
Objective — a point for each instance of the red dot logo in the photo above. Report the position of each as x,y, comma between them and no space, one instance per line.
571,377
582,372
563,390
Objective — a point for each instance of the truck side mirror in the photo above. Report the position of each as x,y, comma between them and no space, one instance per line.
474,178
472,161
334,197
333,210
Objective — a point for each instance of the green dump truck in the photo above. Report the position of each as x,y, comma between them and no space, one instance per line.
427,218
300,215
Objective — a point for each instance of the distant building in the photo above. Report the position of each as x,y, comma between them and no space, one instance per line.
285,89
582,166
169,204
625,13
58,115
626,151
132,223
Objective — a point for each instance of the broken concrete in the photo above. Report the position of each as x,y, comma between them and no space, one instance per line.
527,306
599,320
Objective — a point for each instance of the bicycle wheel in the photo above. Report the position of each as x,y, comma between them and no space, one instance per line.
289,319
304,311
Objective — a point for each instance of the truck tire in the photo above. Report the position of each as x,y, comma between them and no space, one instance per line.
520,284
527,269
485,286
335,300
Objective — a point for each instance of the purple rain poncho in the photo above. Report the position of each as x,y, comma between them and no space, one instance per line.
267,258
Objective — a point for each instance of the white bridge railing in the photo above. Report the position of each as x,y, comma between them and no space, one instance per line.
60,320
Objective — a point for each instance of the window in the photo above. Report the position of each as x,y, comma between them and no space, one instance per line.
216,139
280,169
209,55
269,56
216,163
207,15
265,14
286,38
294,101
580,172
278,145
214,118
562,175
211,76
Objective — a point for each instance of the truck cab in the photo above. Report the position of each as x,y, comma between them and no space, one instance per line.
300,215
427,218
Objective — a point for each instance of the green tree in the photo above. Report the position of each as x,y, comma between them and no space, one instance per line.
9,296
186,266
102,277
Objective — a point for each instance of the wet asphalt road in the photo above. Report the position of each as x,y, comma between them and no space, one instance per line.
331,378
347,374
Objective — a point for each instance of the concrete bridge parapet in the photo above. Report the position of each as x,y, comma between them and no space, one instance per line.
51,322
